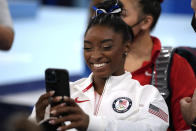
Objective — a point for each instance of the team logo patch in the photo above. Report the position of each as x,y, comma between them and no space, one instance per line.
122,104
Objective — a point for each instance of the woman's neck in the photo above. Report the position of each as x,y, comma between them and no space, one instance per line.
99,84
140,51
142,47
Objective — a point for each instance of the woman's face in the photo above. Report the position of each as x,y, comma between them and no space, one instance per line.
104,51
131,13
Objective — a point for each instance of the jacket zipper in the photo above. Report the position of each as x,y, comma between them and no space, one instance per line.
100,99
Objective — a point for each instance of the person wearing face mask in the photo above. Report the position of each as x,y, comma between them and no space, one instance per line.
188,104
145,53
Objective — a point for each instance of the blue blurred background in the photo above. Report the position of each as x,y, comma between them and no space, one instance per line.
49,33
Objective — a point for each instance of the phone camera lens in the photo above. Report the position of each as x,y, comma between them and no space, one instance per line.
51,76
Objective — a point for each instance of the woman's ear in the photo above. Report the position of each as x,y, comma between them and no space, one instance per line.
147,23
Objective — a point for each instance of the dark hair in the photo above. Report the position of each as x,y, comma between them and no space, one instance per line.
151,7
112,20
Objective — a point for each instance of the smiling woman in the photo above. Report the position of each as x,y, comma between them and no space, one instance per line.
109,99
105,48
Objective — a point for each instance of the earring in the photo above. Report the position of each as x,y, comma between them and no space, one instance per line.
125,53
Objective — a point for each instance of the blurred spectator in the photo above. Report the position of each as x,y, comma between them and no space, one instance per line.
188,104
6,27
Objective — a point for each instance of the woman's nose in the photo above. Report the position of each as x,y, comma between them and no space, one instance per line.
96,54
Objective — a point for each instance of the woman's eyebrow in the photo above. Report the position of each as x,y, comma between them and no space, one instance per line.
107,40
88,42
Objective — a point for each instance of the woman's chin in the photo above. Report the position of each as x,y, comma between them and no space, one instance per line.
101,74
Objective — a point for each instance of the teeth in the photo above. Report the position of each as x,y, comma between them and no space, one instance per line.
99,65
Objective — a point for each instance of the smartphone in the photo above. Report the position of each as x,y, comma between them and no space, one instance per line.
57,80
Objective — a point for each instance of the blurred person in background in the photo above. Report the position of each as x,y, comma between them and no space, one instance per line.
6,27
188,104
142,16
193,5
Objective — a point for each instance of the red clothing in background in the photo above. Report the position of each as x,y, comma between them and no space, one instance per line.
182,81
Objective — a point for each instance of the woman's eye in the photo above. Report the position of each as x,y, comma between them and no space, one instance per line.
87,48
107,47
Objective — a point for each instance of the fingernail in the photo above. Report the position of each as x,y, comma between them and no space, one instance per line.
52,92
63,104
58,129
65,97
53,112
51,122
59,97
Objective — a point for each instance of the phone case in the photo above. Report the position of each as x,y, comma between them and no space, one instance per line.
57,80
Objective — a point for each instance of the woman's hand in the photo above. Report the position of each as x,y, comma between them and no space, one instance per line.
69,111
188,108
41,105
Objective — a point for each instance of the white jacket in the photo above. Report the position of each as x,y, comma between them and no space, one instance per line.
125,105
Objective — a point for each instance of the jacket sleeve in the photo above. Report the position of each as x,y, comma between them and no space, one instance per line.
182,84
32,116
151,116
